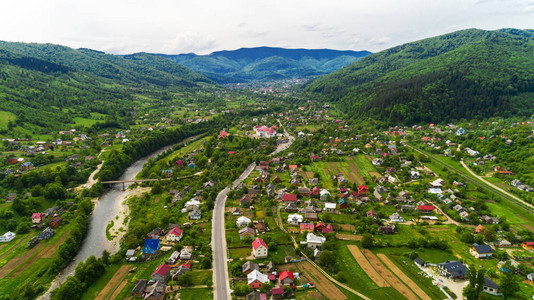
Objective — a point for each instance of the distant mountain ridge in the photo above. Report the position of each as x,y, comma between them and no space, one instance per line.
266,63
465,74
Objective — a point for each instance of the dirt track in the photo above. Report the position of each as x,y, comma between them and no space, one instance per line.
412,285
367,267
390,277
114,283
322,283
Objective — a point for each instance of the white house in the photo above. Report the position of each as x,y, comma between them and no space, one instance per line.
259,248
313,241
174,235
294,219
330,207
7,237
192,204
243,221
396,217
324,194
256,279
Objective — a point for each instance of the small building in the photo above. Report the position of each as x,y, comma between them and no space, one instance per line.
256,279
246,232
291,207
46,234
286,277
195,214
7,237
312,216
55,222
289,198
425,209
243,221
419,262
175,256
162,273
139,289
38,218
151,246
324,195
186,253
294,219
481,251
396,217
259,248
130,253
306,227
391,229
528,245
491,287
313,241
371,214
249,266
155,291
452,269
174,235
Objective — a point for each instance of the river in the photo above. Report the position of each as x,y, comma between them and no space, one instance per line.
107,208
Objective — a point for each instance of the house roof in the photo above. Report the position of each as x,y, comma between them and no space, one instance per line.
312,238
330,205
246,230
306,226
151,246
162,270
483,248
455,268
257,275
277,291
529,243
327,229
257,243
489,283
285,274
37,215
289,197
176,231
419,261
425,207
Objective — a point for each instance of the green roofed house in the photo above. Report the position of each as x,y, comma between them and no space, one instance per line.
343,203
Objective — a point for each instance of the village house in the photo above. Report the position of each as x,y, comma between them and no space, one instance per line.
294,219
46,234
313,241
289,198
249,266
161,273
174,235
286,277
7,237
425,209
151,247
55,222
491,287
246,232
243,221
255,279
139,288
196,214
310,227
259,248
329,207
186,253
155,291
528,245
371,214
396,218
481,251
291,207
324,195
452,269
38,218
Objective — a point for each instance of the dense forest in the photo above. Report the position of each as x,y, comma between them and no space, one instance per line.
465,74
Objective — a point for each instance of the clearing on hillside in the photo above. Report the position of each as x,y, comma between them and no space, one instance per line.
366,266
322,283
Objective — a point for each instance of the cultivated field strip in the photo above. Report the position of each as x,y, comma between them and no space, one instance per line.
114,283
390,277
367,267
412,285
322,283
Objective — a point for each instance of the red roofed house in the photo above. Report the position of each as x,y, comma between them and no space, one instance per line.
306,227
174,235
223,134
161,273
426,209
259,248
315,191
37,218
327,229
277,292
293,168
286,277
479,228
179,163
528,245
314,157
289,198
371,214
363,189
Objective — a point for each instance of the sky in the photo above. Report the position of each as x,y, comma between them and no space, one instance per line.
204,26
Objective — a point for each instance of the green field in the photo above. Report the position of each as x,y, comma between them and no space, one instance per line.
5,117
195,293
84,121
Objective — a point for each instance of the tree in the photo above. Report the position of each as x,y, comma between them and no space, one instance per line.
156,188
185,279
476,283
368,241
105,257
327,259
509,284
241,289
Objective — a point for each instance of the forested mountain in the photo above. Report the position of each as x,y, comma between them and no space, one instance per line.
265,63
47,85
465,74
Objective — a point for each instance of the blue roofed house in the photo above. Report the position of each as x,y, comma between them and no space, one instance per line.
151,247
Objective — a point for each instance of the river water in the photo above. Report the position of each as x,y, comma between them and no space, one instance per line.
106,209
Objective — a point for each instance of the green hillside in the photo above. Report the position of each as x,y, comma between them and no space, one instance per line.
47,85
465,74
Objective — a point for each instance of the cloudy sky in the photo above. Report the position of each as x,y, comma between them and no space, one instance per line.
203,26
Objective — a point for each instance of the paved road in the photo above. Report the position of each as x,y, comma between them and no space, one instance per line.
218,241
221,279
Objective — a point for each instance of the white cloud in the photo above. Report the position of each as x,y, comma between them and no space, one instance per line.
203,26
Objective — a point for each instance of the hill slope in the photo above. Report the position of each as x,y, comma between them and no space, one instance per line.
466,74
48,85
264,63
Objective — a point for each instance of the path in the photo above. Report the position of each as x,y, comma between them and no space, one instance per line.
494,186
91,180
